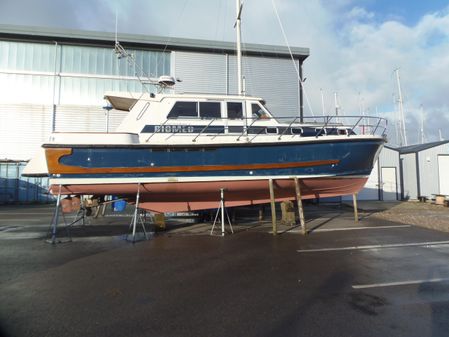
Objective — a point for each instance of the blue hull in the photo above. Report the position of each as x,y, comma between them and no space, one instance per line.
334,158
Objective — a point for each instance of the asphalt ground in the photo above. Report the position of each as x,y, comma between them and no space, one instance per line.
371,278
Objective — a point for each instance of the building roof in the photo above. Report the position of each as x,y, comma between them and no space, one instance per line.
420,147
43,34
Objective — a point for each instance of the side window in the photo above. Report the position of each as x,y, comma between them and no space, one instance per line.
183,109
258,112
235,110
210,110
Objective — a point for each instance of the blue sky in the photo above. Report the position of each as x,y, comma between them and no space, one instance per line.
408,12
355,44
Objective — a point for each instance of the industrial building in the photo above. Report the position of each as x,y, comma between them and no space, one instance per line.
54,80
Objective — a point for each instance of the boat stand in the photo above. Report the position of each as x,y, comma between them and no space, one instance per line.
356,211
221,208
302,221
53,229
137,218
273,207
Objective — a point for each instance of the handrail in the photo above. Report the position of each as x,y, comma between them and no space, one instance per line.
261,130
324,126
245,129
155,132
289,126
320,124
194,139
352,129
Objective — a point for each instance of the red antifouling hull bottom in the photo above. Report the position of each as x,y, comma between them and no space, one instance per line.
191,196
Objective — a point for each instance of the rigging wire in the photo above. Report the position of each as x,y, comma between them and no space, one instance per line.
301,81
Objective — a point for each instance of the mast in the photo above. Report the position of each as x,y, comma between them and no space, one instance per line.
322,102
239,8
422,125
337,107
401,108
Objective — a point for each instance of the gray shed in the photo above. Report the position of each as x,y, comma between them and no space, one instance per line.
425,169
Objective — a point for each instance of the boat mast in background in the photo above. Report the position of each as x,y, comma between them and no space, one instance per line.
401,111
422,125
337,106
322,102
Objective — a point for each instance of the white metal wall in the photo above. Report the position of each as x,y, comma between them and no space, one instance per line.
23,128
76,118
409,176
443,174
389,158
428,169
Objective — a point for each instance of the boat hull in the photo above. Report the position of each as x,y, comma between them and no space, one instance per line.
187,178
190,196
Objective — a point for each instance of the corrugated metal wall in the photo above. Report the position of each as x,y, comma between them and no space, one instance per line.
428,169
200,72
14,188
273,79
409,176
76,118
23,128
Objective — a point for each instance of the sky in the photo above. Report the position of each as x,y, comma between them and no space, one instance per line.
355,45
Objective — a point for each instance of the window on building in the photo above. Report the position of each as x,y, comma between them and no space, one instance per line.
235,110
210,110
184,109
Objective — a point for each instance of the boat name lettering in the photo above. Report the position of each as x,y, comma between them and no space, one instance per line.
174,128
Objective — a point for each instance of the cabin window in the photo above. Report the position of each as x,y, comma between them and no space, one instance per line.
271,130
183,109
258,112
296,131
210,110
235,110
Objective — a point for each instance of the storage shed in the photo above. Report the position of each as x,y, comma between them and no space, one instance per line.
425,170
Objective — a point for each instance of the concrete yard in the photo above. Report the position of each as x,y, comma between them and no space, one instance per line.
378,277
